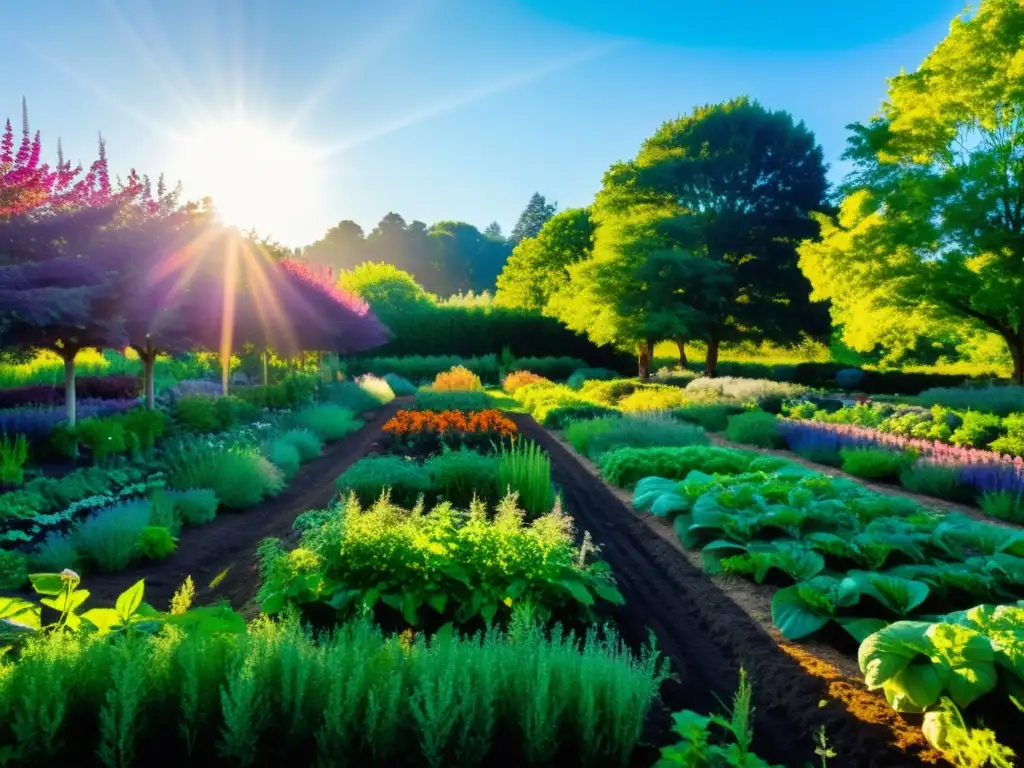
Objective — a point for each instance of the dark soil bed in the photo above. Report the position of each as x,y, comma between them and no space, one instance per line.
708,636
220,557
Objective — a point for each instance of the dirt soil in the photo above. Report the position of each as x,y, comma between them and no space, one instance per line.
707,636
222,553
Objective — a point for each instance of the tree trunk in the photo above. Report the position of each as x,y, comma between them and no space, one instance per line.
69,384
263,359
644,359
1016,345
681,343
711,362
148,377
225,375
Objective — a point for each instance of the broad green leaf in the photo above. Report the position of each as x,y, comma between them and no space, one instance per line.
438,601
862,628
411,603
668,504
516,588
897,594
887,652
793,617
649,489
66,602
489,609
469,607
392,600
102,619
916,687
209,620
370,597
272,604
130,600
578,590
47,583
606,591
18,610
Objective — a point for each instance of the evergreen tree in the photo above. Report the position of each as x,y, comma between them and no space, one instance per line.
532,219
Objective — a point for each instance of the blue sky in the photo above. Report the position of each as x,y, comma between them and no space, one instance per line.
442,109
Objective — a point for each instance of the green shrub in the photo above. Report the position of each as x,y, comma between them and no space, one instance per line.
369,477
459,475
421,368
745,390
551,367
305,442
820,455
273,396
285,457
875,464
197,413
55,553
164,512
541,399
653,397
977,430
609,392
103,437
645,432
328,422
713,417
196,506
754,428
580,433
400,385
433,400
239,478
936,480
277,694
232,411
525,469
623,467
1012,442
21,504
1003,505
562,416
156,543
13,569
146,425
110,539
300,388
1001,400
581,376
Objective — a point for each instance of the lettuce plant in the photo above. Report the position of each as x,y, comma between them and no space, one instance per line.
804,608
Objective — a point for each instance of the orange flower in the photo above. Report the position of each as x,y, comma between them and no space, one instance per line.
409,422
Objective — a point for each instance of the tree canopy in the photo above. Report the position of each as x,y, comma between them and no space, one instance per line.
931,228
538,266
696,237
445,258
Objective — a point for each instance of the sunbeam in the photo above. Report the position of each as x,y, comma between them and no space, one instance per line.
342,71
476,94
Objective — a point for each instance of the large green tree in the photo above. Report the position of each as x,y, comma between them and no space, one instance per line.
538,266
697,236
931,230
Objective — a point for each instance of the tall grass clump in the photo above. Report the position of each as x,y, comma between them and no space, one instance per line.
875,463
328,422
110,540
276,694
1003,505
13,455
525,468
239,478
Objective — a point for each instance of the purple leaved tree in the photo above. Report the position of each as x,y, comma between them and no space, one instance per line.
54,293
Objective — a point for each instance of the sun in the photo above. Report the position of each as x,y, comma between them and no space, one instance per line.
256,177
